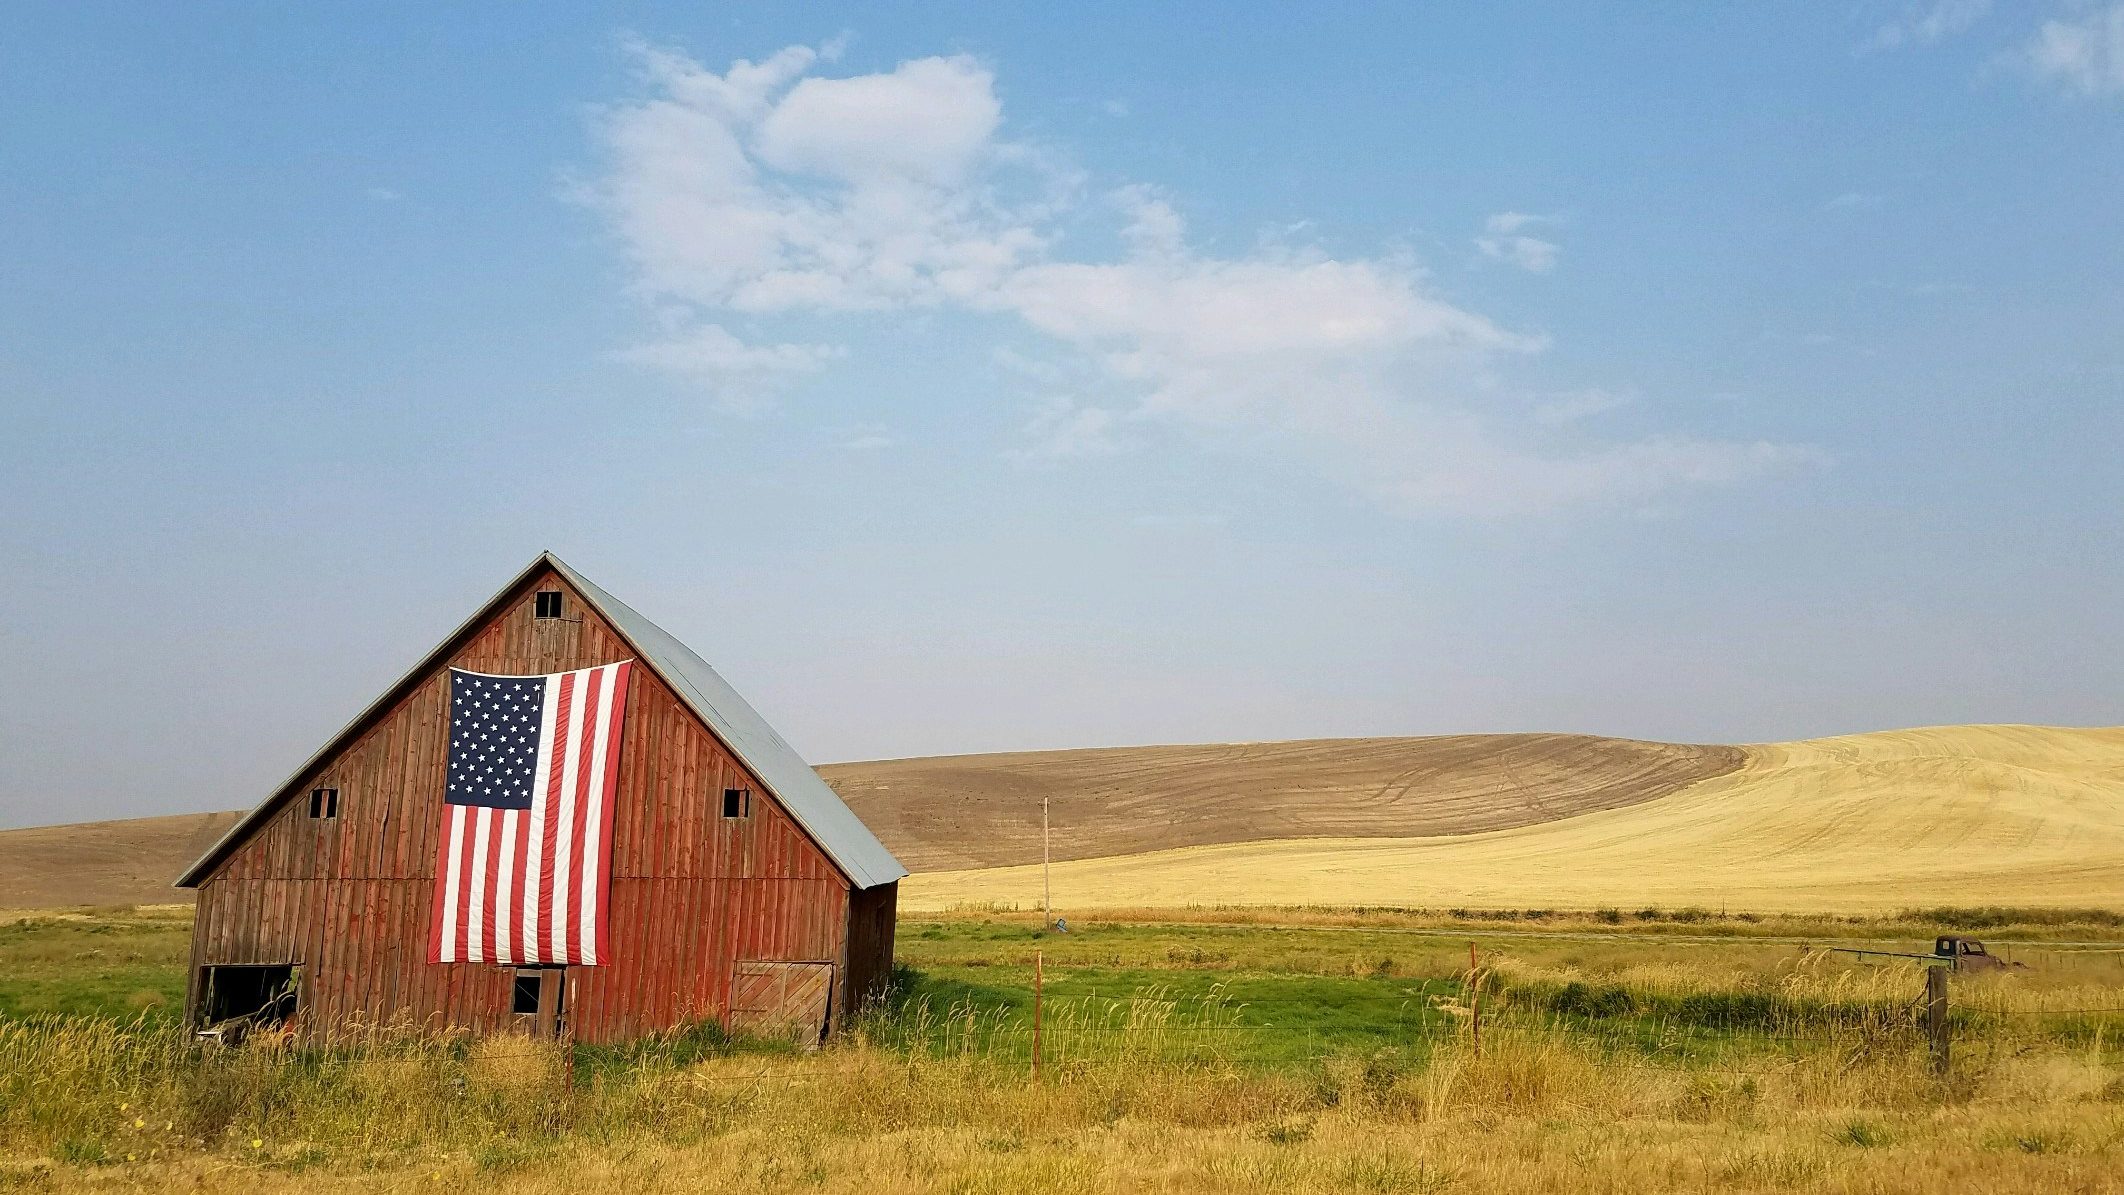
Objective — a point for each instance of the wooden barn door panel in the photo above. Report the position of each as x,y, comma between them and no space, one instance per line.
782,998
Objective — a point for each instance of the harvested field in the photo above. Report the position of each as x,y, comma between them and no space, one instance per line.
960,811
104,863
1947,815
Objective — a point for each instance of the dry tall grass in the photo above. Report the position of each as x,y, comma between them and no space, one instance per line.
1138,1098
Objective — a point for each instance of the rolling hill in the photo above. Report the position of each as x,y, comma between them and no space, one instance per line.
128,862
1963,815
967,811
1945,815
964,811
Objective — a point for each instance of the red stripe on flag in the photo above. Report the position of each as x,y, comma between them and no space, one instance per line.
465,880
555,770
490,916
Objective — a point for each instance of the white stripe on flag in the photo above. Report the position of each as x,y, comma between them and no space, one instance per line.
535,850
451,884
476,904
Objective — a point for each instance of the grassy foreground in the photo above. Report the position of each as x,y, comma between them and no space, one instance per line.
1201,1057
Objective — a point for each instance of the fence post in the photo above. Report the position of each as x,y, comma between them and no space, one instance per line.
1038,983
1936,1016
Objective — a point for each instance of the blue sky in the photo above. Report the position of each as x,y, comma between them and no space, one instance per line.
998,377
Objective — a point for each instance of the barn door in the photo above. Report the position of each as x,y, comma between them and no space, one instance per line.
772,998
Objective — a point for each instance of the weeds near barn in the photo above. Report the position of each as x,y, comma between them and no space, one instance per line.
1603,1066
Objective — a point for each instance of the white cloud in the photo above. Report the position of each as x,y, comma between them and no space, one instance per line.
1528,253
761,191
1503,240
384,195
1922,24
1064,429
2084,56
740,377
926,122
773,189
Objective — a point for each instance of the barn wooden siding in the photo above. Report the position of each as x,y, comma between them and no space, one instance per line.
692,892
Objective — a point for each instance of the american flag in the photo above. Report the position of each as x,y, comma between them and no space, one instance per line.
524,857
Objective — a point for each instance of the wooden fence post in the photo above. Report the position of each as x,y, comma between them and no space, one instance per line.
1936,1016
1038,983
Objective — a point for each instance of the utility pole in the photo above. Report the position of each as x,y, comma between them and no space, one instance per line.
1047,888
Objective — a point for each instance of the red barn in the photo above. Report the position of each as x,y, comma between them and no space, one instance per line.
741,889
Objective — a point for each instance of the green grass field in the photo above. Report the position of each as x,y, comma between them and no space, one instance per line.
1206,1051
114,962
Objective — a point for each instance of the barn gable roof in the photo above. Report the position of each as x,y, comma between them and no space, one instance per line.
793,783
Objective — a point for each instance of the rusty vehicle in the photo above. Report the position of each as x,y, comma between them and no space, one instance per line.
1954,951
1968,954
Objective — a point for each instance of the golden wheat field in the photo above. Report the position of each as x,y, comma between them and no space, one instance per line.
1963,814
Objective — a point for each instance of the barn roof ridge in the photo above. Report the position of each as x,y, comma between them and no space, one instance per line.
794,784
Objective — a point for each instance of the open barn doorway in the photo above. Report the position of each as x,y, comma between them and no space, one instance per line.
236,1000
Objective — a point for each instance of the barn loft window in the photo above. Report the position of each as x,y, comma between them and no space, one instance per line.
526,1000
546,604
737,802
324,803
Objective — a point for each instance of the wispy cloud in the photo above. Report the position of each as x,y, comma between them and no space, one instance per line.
1064,429
740,377
2083,55
1504,239
1922,24
772,191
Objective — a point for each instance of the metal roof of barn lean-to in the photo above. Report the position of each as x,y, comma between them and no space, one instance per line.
800,791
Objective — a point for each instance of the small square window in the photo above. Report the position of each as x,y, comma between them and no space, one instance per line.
737,802
546,604
324,803
526,999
